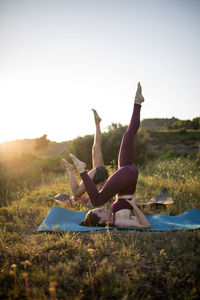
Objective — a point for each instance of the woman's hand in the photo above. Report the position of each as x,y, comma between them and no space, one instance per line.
133,201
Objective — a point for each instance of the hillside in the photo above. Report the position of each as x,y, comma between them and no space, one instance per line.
179,141
15,148
157,123
176,141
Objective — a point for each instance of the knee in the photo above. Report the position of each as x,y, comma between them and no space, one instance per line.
78,193
96,147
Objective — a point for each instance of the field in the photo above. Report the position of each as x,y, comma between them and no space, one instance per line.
114,264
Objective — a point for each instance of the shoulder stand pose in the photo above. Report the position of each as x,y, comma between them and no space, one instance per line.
98,174
122,183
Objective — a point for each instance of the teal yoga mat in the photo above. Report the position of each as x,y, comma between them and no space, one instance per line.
62,219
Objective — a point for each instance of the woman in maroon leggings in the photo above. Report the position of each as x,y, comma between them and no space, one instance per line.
122,183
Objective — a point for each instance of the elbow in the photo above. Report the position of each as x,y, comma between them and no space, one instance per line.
147,226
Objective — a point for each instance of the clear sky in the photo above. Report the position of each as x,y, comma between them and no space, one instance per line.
60,58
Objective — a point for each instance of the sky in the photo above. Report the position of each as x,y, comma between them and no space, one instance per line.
60,58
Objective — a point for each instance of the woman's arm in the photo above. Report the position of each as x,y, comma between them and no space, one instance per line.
123,218
139,214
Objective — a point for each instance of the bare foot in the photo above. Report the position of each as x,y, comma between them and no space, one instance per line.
138,96
68,165
80,165
96,116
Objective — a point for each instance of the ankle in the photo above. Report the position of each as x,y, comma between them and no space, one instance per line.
70,169
80,166
80,169
139,100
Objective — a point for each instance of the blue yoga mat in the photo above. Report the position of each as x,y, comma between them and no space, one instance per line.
62,219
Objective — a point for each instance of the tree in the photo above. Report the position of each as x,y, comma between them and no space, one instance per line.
41,143
187,124
196,123
111,141
82,148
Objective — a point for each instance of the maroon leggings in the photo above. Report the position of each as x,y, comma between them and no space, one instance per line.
124,180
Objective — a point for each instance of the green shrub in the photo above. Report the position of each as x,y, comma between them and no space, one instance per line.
166,153
182,131
25,171
82,148
52,165
6,187
112,141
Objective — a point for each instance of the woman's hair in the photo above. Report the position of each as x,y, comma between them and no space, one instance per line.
100,175
91,219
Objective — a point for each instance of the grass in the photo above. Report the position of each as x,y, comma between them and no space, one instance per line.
114,264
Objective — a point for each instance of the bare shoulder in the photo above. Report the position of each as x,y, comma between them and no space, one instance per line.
91,173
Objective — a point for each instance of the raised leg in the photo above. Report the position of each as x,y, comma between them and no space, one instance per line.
77,189
126,149
97,156
123,180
